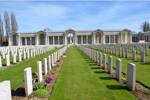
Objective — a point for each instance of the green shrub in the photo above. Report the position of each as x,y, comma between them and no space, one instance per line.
34,74
40,86
40,93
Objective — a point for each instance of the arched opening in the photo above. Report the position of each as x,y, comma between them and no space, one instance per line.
70,36
99,36
42,39
14,38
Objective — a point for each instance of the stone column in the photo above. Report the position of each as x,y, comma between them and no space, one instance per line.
10,40
109,39
81,39
30,40
37,39
103,38
94,38
86,39
25,40
114,38
19,40
75,38
58,40
121,39
65,40
46,38
53,41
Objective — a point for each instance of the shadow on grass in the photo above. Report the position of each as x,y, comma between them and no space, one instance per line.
19,92
107,78
146,63
99,72
115,87
95,67
92,64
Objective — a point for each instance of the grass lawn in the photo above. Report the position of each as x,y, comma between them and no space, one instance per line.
82,79
142,70
15,73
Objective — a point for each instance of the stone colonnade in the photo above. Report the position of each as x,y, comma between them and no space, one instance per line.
78,37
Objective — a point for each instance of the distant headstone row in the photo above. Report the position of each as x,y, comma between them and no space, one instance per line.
123,50
12,55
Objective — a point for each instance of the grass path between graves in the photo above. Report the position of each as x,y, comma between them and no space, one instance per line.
82,79
15,73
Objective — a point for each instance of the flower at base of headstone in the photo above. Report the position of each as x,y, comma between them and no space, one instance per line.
124,78
48,80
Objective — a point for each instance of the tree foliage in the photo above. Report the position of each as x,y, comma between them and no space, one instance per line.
146,26
1,30
7,24
14,25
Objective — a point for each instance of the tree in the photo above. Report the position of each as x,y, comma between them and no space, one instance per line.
145,26
14,25
7,24
1,30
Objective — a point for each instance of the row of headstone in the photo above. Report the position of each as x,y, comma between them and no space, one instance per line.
123,50
47,65
107,64
22,54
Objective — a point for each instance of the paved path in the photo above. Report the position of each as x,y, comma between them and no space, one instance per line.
81,79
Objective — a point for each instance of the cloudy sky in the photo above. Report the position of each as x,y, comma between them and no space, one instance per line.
79,15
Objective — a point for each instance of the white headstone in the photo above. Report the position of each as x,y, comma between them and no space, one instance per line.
28,54
131,76
39,67
7,60
118,69
110,64
14,58
134,55
0,61
28,81
20,56
143,56
100,59
45,66
49,62
104,63
52,60
5,90
24,54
